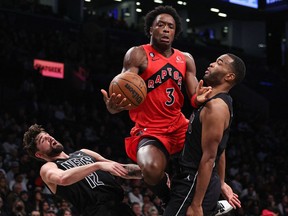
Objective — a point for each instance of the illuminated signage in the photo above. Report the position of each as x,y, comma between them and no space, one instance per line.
272,1
247,3
49,68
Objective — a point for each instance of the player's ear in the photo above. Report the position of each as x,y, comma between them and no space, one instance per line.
230,76
38,154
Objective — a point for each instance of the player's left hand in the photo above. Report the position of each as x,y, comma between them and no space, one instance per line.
202,92
230,196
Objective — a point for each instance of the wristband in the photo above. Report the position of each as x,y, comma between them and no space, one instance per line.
193,101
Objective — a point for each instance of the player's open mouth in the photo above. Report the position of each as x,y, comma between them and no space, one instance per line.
207,71
54,143
165,39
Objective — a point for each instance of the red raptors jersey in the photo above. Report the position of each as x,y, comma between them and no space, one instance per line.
164,78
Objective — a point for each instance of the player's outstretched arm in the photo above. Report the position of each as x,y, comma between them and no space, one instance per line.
53,176
226,190
133,60
133,171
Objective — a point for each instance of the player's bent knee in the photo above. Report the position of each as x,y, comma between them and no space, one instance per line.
152,173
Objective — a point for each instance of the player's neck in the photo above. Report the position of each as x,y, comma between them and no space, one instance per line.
166,51
219,89
62,155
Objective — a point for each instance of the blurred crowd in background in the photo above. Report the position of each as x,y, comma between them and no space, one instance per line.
72,110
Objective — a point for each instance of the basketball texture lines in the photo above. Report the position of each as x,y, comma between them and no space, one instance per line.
131,86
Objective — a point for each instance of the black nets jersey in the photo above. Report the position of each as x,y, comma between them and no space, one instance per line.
192,152
91,192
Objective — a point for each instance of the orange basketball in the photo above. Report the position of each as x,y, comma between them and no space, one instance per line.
131,86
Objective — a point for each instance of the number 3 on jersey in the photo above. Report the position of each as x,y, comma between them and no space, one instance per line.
170,94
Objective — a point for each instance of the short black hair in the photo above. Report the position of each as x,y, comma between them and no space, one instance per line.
151,16
238,67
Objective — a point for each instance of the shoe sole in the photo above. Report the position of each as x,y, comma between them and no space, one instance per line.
225,207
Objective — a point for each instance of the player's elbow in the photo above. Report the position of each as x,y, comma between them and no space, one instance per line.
209,158
210,161
64,180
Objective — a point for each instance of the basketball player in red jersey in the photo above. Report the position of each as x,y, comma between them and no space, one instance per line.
160,126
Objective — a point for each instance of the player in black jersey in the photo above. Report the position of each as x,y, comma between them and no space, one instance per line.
197,188
83,178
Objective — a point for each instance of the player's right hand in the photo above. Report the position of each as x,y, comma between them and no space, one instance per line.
114,168
114,104
230,196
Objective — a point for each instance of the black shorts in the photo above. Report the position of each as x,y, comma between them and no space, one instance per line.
152,141
182,192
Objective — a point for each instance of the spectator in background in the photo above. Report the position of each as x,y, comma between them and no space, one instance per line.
153,211
236,184
64,212
37,200
145,209
25,165
4,188
136,208
64,205
158,205
1,158
45,206
270,200
271,212
126,199
136,196
14,169
147,199
25,197
3,211
14,194
49,212
9,145
18,208
35,213
249,196
18,177
283,205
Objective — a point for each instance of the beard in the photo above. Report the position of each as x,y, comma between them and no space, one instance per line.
55,150
212,79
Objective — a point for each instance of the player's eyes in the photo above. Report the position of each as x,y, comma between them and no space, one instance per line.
219,62
45,138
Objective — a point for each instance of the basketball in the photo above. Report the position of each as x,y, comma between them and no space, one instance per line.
131,86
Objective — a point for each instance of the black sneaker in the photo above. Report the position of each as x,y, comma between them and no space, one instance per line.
223,207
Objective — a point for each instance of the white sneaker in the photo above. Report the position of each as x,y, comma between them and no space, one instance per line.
223,207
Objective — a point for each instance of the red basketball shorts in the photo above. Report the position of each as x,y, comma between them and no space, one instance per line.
172,137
